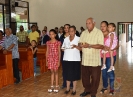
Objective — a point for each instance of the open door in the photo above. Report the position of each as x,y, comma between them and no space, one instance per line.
2,18
127,29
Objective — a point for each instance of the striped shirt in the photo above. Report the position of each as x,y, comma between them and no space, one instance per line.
1,41
91,56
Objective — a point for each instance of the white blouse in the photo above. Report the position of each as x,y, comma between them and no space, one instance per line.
69,53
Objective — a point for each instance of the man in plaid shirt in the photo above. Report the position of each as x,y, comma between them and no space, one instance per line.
22,35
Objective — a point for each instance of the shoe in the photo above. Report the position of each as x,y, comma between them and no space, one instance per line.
84,94
103,91
56,90
66,92
17,81
73,93
111,92
111,69
51,89
103,67
93,95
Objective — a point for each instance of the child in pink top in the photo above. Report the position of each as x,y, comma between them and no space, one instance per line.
111,42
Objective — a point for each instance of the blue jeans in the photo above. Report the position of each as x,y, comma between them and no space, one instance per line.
35,63
108,75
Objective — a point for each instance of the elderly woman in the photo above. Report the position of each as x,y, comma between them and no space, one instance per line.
11,44
71,59
2,38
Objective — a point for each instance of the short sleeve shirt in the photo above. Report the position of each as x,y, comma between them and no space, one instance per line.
22,36
9,40
33,36
71,54
91,56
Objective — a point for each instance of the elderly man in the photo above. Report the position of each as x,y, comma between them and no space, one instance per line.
91,41
11,44
22,35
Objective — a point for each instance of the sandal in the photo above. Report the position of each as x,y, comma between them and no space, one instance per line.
56,90
73,93
111,69
103,67
51,89
103,91
67,91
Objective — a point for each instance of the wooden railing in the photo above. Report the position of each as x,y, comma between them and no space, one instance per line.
41,57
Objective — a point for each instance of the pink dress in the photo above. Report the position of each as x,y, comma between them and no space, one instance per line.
115,40
53,55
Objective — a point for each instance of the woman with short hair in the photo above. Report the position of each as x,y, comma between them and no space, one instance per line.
71,59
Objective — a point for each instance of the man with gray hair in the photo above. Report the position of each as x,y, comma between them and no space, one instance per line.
11,44
91,41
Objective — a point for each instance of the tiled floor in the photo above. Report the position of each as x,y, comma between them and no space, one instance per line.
37,87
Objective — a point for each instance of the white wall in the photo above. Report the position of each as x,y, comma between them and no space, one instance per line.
54,13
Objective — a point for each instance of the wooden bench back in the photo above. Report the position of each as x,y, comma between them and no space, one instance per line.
6,64
26,62
41,53
2,59
25,53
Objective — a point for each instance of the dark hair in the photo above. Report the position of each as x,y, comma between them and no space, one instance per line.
82,28
34,41
33,26
62,28
56,27
112,24
45,27
73,27
105,23
67,25
21,25
56,37
44,30
1,32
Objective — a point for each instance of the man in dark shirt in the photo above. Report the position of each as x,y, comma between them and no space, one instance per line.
44,37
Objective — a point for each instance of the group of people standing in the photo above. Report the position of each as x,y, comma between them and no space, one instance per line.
98,49
98,53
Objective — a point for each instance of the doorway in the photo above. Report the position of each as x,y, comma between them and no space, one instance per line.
4,17
125,29
1,17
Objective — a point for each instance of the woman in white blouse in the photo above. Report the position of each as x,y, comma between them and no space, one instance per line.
71,59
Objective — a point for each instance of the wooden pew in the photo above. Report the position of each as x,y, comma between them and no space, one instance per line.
6,69
26,62
41,57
